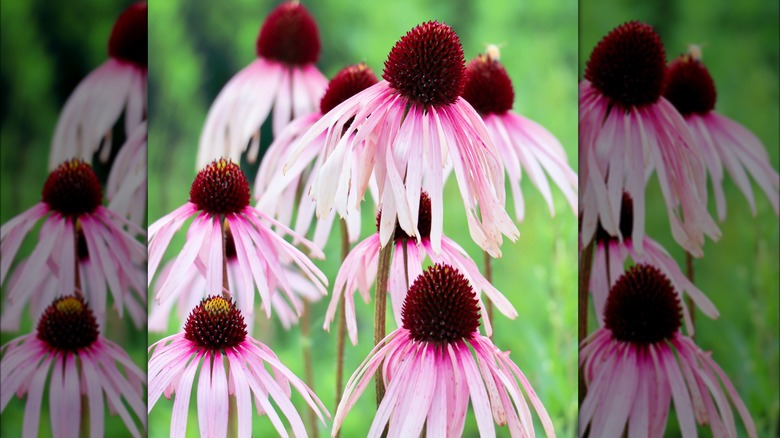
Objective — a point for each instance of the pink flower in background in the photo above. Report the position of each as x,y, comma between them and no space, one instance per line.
358,271
723,142
522,143
284,76
194,289
118,85
221,190
215,333
278,192
639,362
72,208
126,188
403,131
610,257
431,373
627,131
68,356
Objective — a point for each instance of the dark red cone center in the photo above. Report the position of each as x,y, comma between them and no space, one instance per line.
441,306
348,82
426,65
73,189
220,188
289,35
215,324
642,307
689,86
488,87
68,324
129,39
628,65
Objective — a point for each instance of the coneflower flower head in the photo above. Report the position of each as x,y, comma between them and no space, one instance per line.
639,362
283,77
521,143
431,373
68,324
628,65
724,143
627,131
129,40
348,82
221,188
215,324
73,189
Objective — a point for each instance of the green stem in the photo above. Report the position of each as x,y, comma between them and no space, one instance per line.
380,306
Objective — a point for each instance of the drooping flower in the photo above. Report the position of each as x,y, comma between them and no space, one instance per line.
219,197
403,131
278,192
639,362
127,183
627,131
231,364
194,289
723,142
118,86
359,270
611,254
431,373
283,76
72,208
83,363
522,143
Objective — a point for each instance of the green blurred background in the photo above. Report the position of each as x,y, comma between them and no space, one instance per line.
47,48
739,272
196,47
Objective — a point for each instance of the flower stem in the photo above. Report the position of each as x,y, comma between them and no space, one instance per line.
307,363
585,265
342,324
488,262
225,284
688,299
380,305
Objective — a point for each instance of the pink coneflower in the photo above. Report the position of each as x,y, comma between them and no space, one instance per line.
72,205
403,131
279,192
196,289
639,362
431,373
359,269
284,76
216,332
96,104
627,131
611,255
220,192
723,142
522,143
82,363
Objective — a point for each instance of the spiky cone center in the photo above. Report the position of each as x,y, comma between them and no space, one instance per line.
129,38
73,189
348,82
68,324
220,188
689,86
642,307
628,65
427,65
215,324
423,221
626,221
289,34
441,307
488,87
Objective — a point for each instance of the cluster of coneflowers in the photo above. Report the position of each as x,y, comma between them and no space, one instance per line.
90,246
640,116
398,138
